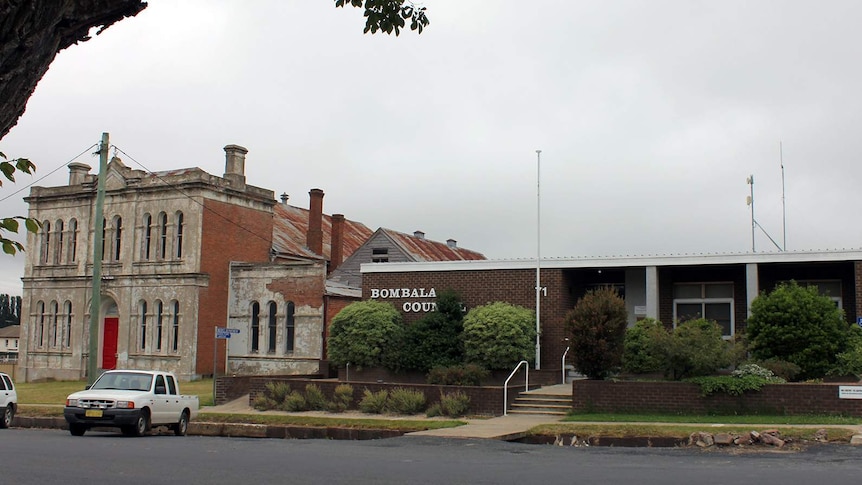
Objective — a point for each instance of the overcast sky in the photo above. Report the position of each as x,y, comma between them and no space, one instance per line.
650,116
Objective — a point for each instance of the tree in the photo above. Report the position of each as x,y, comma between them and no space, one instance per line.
10,224
641,353
499,335
10,310
365,334
33,33
597,325
796,324
435,339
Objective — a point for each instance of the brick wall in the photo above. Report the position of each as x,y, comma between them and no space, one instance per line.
685,398
228,234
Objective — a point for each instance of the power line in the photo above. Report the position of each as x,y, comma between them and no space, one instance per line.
49,173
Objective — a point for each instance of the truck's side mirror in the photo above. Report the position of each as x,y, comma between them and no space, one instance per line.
87,387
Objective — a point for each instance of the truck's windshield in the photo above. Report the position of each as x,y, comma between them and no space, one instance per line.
129,381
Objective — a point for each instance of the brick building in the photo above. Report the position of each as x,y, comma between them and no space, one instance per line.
668,288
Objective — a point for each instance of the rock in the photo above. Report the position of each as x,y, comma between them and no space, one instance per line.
723,439
741,440
773,432
856,440
701,439
755,436
821,435
772,440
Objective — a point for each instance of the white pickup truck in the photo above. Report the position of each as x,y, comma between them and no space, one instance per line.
132,400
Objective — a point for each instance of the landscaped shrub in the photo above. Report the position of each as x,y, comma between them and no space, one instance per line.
435,339
459,375
273,396
499,335
748,377
374,402
366,334
797,324
342,398
405,401
314,398
294,402
849,362
454,404
597,327
642,347
781,368
695,349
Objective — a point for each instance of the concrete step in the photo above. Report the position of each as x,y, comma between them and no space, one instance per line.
537,412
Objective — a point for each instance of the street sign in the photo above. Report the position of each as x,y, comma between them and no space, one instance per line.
223,332
231,330
859,321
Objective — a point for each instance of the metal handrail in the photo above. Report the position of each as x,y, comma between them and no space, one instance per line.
506,385
564,364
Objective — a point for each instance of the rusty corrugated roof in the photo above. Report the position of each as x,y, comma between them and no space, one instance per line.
290,229
422,249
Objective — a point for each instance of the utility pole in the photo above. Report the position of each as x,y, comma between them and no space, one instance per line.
538,257
98,245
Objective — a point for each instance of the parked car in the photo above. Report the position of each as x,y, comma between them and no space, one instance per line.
8,400
132,400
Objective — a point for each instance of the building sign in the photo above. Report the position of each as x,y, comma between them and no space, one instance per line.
849,392
411,293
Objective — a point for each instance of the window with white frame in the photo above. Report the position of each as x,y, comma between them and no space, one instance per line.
713,301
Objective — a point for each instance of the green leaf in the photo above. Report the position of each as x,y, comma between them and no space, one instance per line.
8,247
32,225
10,224
8,170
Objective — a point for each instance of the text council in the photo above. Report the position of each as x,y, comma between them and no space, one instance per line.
410,306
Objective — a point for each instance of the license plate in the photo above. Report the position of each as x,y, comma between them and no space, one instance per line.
93,413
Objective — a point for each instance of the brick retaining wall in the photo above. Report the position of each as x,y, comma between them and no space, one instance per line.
685,398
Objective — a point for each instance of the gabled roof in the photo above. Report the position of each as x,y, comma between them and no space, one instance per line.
12,331
290,230
421,249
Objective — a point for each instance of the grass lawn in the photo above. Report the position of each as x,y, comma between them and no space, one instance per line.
729,419
55,392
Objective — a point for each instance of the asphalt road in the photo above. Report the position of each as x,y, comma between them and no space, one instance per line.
38,456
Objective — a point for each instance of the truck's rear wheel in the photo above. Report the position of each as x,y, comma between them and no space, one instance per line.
182,426
77,429
142,424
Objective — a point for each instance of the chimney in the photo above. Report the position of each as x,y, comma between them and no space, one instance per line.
284,198
419,234
452,243
234,165
77,173
336,253
314,238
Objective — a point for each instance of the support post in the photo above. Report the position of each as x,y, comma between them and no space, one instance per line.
98,245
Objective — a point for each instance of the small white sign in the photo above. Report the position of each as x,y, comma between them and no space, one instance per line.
849,392
640,309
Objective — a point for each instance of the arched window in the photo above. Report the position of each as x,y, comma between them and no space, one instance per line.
147,237
179,236
159,323
255,327
55,322
117,239
289,328
58,247
46,242
73,240
271,327
67,330
40,331
143,306
163,235
175,325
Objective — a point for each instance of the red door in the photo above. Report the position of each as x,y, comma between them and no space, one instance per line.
109,343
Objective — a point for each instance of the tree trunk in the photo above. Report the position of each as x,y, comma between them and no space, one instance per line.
32,32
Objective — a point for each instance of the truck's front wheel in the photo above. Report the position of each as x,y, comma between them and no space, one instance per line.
142,424
8,416
77,429
182,426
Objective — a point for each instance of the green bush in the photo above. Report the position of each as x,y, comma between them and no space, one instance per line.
374,402
499,335
597,327
781,368
797,324
405,401
849,362
435,339
641,350
454,404
314,398
273,396
366,334
342,398
295,402
695,348
732,385
459,375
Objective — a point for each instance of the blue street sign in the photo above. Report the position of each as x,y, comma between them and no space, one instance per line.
232,330
859,321
222,332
